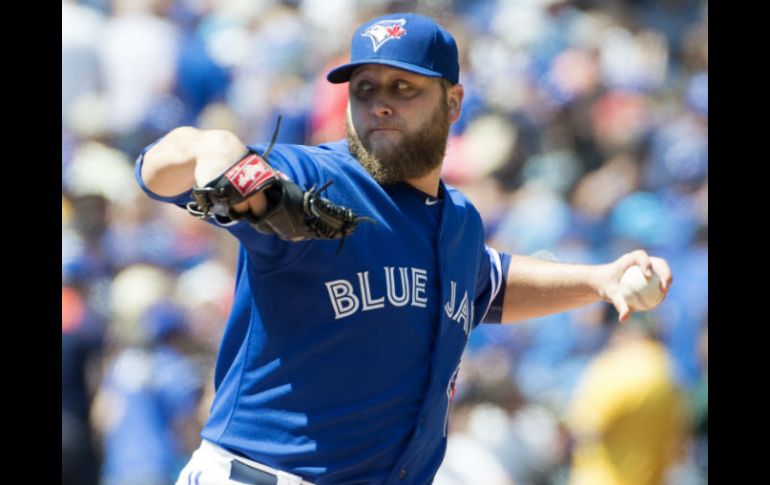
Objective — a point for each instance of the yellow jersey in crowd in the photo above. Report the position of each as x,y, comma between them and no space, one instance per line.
626,416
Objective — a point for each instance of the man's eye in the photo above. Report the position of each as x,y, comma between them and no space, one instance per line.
404,89
364,88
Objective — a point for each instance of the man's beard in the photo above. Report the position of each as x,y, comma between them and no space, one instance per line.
414,157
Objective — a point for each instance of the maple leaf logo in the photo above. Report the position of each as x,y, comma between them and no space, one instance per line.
385,30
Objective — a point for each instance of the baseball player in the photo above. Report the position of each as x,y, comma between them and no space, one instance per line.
360,276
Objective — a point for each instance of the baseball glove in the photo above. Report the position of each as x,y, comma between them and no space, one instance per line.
292,213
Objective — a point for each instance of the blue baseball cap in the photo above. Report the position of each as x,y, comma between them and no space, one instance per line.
407,41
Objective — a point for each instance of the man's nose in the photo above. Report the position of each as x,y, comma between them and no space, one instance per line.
380,108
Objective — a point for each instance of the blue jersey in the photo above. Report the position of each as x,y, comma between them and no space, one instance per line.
341,367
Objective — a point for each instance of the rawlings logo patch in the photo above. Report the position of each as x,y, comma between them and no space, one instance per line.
385,30
249,174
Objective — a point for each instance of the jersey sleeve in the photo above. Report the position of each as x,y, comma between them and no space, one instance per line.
490,285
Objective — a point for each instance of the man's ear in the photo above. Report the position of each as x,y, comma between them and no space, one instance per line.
455,101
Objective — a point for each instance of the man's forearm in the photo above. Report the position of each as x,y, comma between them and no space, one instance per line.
168,168
187,155
536,288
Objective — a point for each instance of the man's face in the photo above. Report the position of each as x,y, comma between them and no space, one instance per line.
398,122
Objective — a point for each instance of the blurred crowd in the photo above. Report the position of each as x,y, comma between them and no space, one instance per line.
584,134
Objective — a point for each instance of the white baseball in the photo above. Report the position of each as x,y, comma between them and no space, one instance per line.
641,293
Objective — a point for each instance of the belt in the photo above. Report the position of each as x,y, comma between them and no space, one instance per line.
241,472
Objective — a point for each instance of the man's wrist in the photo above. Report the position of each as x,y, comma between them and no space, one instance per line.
216,152
597,279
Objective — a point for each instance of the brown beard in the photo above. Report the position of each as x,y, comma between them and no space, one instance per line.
418,154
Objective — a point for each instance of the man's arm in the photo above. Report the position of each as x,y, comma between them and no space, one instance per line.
187,156
227,181
535,288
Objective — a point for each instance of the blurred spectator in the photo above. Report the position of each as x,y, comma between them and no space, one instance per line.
82,229
328,107
206,292
599,191
81,344
619,120
481,400
556,356
133,290
81,34
627,416
679,146
537,219
496,435
200,80
469,462
672,18
685,310
699,399
98,169
483,147
138,52
146,408
694,468
140,232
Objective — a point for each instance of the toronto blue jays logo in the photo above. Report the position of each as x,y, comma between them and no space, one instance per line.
384,30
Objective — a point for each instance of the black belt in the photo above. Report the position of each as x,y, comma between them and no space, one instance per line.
241,472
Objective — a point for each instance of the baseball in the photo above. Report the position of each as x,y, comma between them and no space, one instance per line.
641,293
